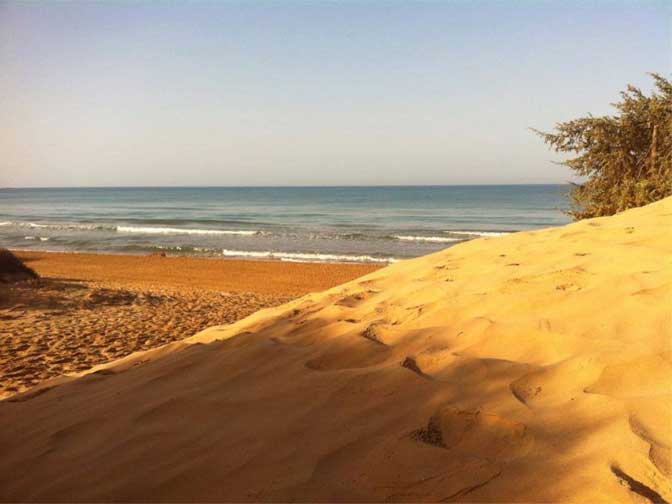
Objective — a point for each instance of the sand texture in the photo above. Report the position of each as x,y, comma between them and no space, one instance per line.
531,367
230,275
76,317
50,328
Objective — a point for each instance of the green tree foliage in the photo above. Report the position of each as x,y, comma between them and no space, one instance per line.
625,159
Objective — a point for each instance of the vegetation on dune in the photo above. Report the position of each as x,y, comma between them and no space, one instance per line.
626,158
12,268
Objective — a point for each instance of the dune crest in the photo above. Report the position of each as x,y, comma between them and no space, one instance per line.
535,366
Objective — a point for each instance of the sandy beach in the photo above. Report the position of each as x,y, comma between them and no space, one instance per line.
89,309
364,251
533,367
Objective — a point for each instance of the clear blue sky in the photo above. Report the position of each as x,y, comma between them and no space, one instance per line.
309,93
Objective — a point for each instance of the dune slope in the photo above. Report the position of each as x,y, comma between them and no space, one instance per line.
531,367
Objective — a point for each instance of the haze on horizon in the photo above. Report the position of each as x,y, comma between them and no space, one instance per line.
310,93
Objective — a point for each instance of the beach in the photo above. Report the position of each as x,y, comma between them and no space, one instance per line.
531,367
336,252
93,308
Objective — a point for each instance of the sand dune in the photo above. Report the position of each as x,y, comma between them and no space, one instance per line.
530,367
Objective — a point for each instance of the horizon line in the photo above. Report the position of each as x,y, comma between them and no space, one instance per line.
339,186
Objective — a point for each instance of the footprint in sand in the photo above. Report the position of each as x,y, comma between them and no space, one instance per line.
637,486
372,333
354,300
568,287
556,384
477,433
411,363
660,454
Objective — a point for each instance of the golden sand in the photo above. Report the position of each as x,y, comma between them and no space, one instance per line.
89,309
533,367
230,275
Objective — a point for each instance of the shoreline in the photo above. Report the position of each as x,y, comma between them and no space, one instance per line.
252,255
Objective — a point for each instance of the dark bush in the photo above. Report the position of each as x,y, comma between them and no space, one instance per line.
12,268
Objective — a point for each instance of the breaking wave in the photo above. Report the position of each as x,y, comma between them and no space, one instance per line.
478,233
173,231
306,256
436,239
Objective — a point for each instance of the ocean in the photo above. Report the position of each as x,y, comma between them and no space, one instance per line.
328,224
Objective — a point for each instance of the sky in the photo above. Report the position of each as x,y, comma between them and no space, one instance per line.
228,93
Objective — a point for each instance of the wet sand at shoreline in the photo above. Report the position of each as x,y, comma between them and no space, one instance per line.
264,277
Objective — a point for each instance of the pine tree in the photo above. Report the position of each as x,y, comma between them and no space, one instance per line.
626,159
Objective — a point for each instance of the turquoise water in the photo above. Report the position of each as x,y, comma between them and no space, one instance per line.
361,224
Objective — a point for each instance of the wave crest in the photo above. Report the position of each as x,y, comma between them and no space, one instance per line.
170,230
435,239
306,256
478,233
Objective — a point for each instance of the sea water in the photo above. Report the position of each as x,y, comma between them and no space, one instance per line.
330,224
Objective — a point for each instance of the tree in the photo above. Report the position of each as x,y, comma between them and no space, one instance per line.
626,159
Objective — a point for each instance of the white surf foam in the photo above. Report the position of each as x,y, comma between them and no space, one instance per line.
437,239
169,230
478,233
23,224
41,238
134,229
306,257
36,225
